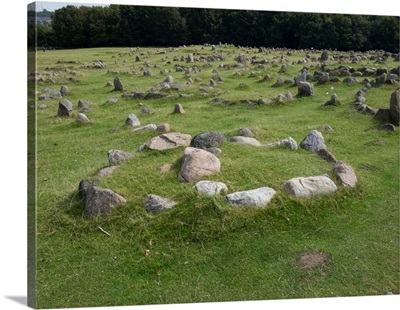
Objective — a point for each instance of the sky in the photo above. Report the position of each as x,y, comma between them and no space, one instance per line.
52,6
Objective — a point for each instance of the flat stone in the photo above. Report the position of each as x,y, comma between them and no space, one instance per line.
309,186
259,197
210,188
156,204
146,127
245,140
106,172
169,141
117,156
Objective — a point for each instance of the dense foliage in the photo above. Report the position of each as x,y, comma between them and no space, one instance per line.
125,25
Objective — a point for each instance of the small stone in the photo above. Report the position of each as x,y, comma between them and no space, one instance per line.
156,204
81,119
210,188
259,197
178,109
163,128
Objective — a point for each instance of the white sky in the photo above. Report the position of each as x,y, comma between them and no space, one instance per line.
52,6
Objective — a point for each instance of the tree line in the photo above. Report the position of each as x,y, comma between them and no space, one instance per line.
126,25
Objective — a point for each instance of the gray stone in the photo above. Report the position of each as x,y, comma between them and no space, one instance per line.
132,120
324,55
118,85
117,156
208,139
198,163
64,91
210,188
178,87
387,127
112,100
245,140
309,186
259,197
154,95
383,116
169,141
245,132
314,141
83,104
326,155
305,89
163,128
146,127
395,107
100,201
145,111
81,119
155,204
178,109
147,73
106,172
345,174
169,80
64,108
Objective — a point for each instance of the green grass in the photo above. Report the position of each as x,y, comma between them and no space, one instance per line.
204,250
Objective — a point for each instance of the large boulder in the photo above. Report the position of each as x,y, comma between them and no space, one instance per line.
210,188
309,186
395,107
155,204
259,197
314,141
345,174
207,139
198,163
169,141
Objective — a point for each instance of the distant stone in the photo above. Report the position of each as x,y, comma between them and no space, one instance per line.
208,139
64,108
305,89
327,128
198,163
178,87
334,101
345,174
42,106
145,111
154,95
155,204
132,120
117,156
288,142
64,91
112,100
106,172
326,155
83,104
245,140
147,73
314,141
169,80
169,141
178,109
212,83
259,197
395,107
146,127
100,201
246,132
210,188
163,128
324,55
309,186
118,85
81,119
350,80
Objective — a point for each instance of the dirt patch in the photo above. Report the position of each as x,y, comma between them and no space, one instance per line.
310,261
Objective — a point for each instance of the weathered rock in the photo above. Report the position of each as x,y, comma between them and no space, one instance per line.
146,127
163,128
326,155
314,141
208,139
288,142
395,107
64,91
145,111
81,119
198,163
345,174
245,140
245,132
117,156
259,197
178,109
83,104
324,55
309,186
305,89
169,80
387,127
210,188
383,116
112,100
132,120
106,172
64,108
334,101
100,201
118,85
169,141
155,204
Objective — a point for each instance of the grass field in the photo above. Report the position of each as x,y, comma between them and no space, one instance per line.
203,250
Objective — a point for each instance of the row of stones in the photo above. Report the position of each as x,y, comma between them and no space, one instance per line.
199,162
